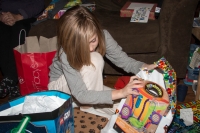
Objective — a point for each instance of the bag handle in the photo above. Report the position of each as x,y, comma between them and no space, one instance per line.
20,34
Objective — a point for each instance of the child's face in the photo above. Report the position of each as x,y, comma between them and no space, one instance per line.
93,42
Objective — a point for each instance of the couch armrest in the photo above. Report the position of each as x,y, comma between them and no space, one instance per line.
176,19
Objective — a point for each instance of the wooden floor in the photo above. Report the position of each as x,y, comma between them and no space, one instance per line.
110,81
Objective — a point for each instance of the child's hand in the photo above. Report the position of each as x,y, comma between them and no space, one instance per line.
149,66
135,82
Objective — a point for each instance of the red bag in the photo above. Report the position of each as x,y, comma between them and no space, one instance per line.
32,62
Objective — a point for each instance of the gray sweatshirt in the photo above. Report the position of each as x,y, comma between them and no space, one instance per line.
78,88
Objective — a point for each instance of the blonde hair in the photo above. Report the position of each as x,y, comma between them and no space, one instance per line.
74,30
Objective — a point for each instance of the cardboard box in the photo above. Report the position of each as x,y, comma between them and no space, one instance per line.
154,108
141,113
125,12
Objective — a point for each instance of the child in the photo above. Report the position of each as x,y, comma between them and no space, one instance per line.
78,65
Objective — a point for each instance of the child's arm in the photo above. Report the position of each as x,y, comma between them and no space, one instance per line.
118,57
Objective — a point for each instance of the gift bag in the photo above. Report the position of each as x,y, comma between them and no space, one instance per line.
153,109
33,59
49,112
186,122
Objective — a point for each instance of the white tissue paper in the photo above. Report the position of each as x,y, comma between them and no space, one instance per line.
187,116
35,104
38,104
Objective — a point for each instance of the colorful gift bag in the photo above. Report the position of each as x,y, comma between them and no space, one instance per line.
195,105
58,120
153,109
178,126
33,59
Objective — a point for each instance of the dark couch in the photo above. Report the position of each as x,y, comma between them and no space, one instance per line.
168,36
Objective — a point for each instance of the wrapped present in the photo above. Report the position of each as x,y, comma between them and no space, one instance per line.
51,10
127,12
59,14
71,3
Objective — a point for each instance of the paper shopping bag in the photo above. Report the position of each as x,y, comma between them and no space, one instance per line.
153,109
33,59
53,113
